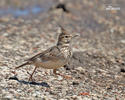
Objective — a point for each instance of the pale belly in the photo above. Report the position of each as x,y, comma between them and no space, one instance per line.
51,64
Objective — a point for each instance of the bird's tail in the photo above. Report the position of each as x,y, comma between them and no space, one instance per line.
27,63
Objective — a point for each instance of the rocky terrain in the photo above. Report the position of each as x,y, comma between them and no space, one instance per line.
97,67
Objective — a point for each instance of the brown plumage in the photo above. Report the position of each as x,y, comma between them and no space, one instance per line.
54,57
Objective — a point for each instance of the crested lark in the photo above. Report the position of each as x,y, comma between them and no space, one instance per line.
54,57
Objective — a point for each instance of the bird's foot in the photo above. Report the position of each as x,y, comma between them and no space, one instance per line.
66,76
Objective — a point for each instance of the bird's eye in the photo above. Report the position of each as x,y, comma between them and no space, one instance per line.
66,36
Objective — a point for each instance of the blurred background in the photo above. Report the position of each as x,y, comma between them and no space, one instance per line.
100,23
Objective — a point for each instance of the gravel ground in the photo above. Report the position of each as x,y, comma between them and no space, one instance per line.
97,67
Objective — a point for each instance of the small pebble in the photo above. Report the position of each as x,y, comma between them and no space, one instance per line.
60,78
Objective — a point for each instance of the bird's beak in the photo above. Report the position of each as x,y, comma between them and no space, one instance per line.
76,35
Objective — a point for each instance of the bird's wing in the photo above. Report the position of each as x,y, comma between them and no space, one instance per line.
52,53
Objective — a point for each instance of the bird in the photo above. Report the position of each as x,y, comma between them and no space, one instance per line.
54,57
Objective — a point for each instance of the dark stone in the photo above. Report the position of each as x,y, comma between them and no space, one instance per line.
75,83
63,7
66,67
122,70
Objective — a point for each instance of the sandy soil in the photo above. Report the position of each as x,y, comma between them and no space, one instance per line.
97,67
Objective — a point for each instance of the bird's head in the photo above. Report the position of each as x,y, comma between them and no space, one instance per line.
65,37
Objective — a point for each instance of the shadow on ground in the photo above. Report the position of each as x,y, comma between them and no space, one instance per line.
44,84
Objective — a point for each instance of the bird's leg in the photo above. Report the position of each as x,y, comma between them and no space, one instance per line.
64,76
30,78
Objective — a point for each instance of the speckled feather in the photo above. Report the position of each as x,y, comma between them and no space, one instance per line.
51,58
